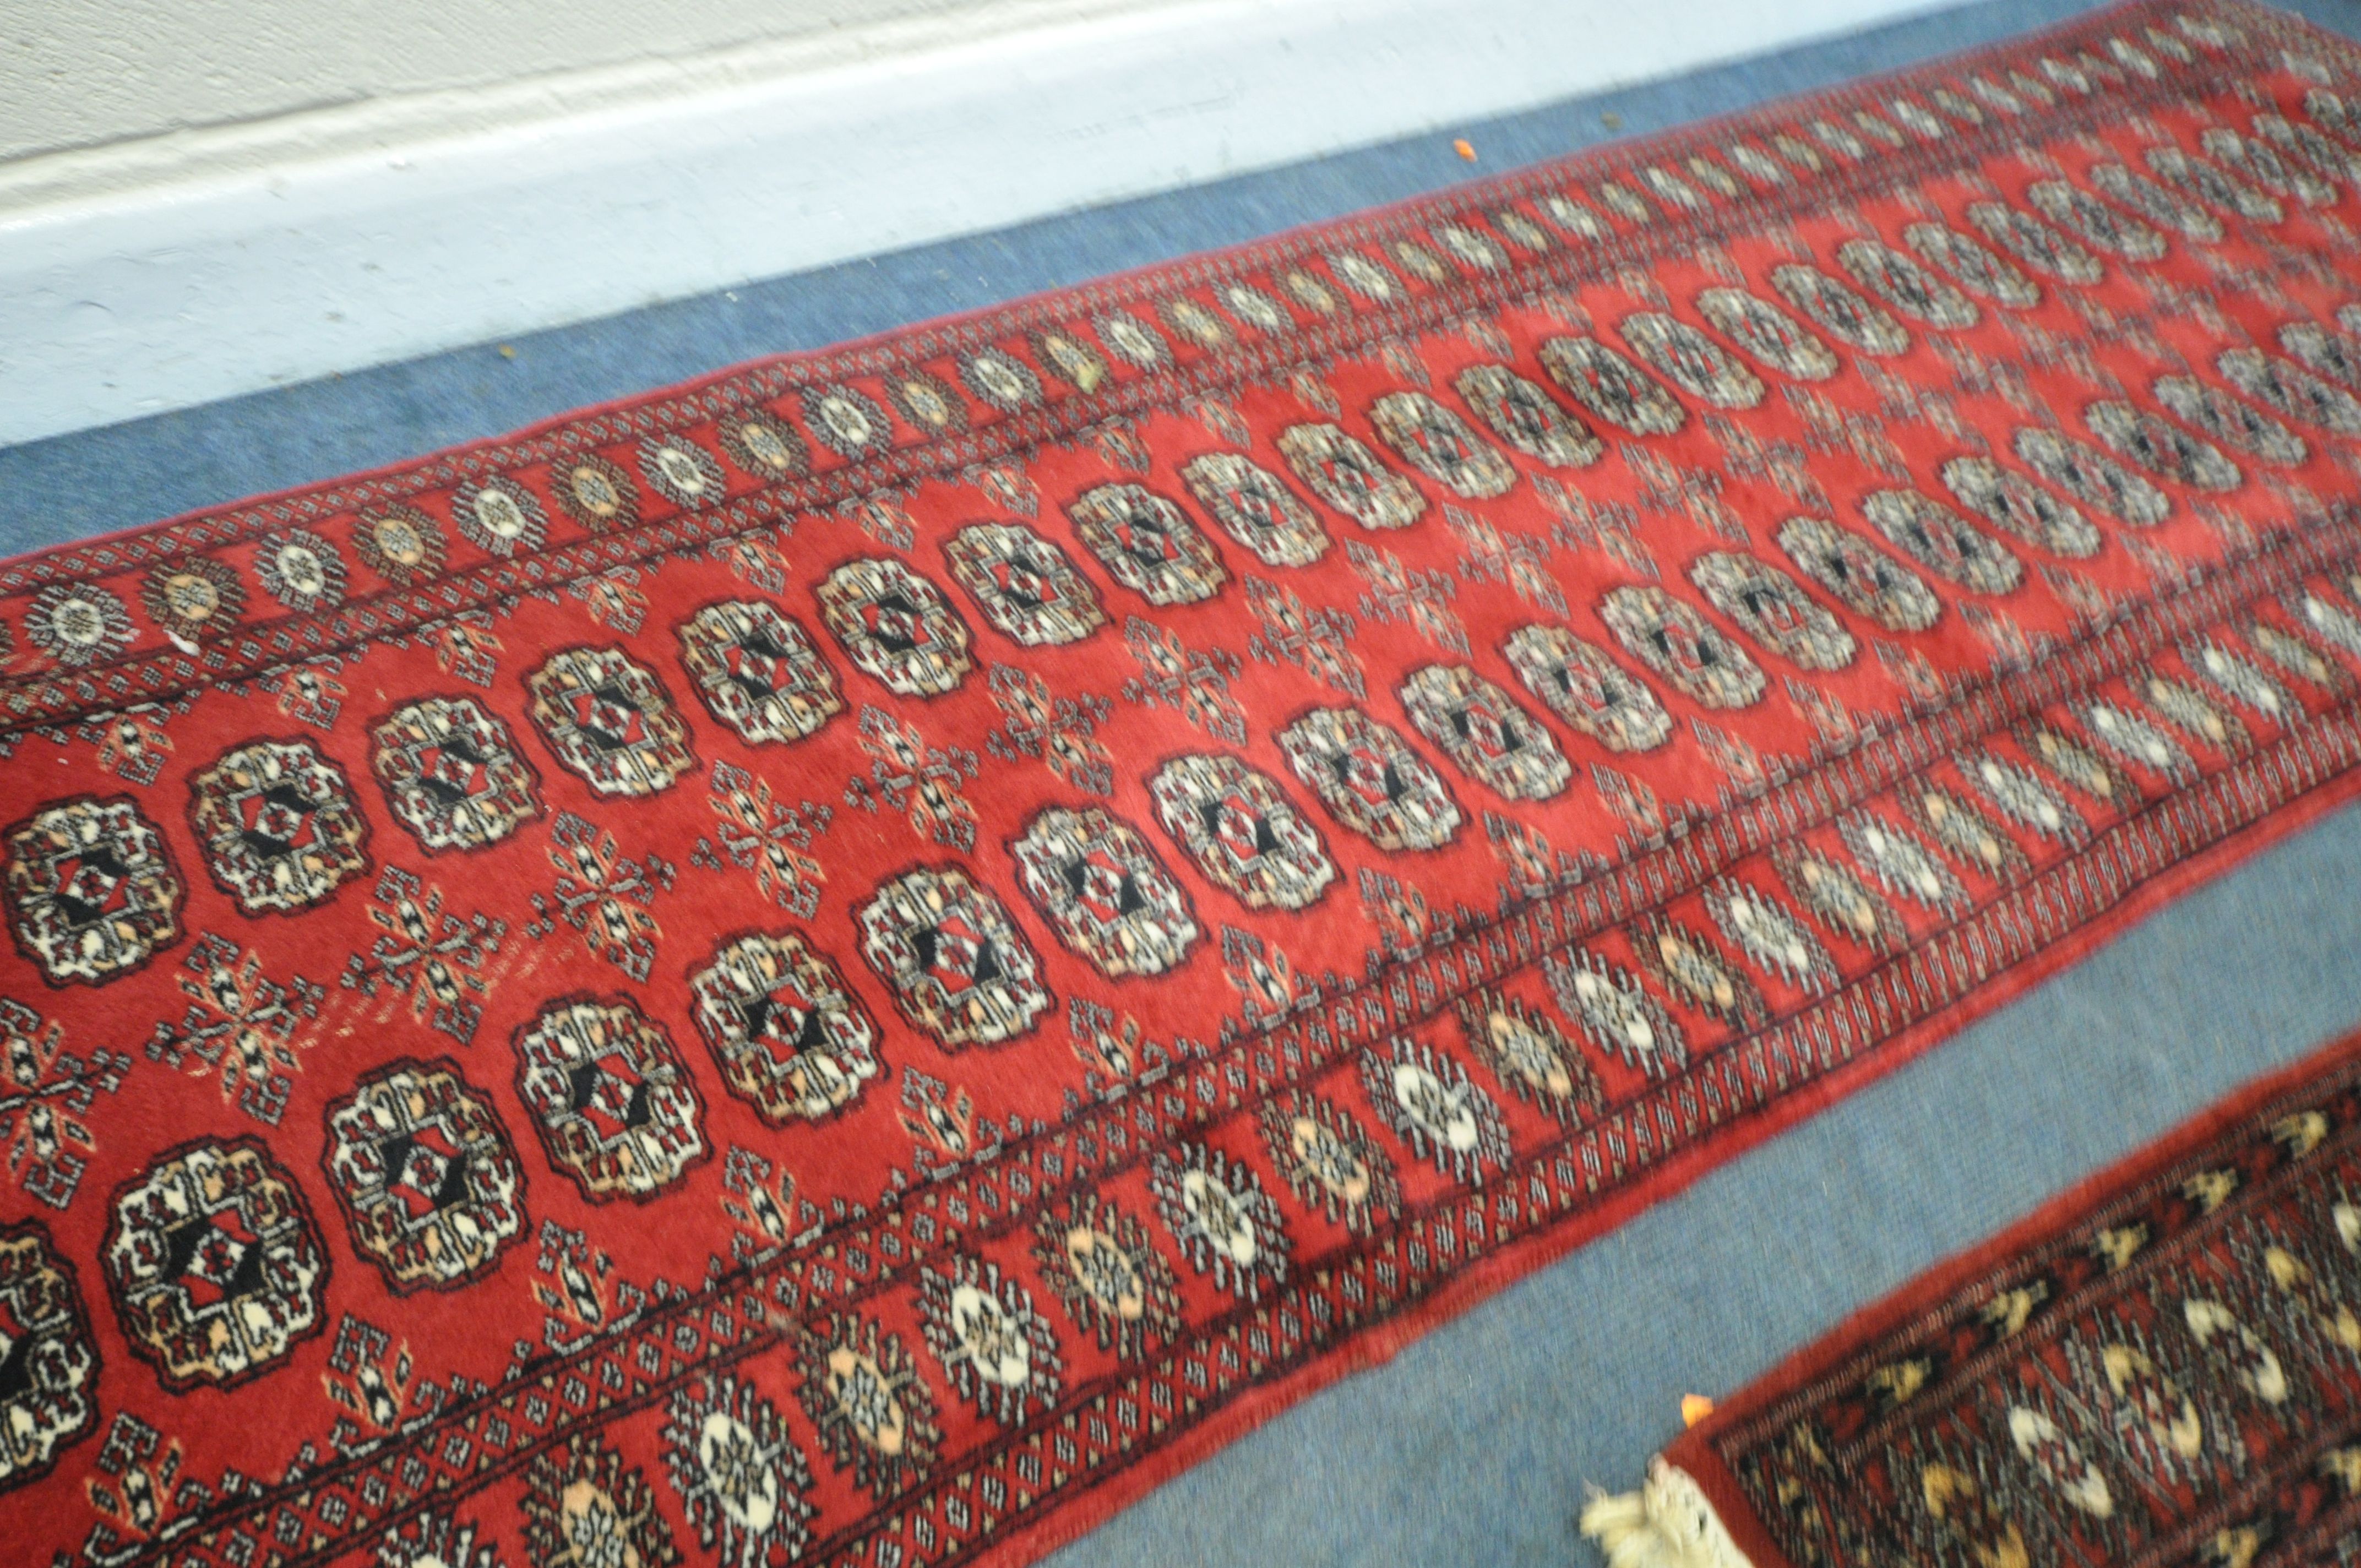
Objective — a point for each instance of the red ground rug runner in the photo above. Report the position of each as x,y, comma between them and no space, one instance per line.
2160,1367
856,962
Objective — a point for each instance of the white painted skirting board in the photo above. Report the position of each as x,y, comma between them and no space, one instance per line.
156,275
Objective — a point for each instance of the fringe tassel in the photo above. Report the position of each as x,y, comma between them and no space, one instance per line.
1665,1524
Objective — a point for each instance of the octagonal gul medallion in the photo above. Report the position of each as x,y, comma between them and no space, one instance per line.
1481,729
1773,609
1902,283
215,1267
960,968
2160,446
1242,831
2213,412
281,828
1439,444
1691,361
1588,690
1673,639
2097,481
1839,312
1023,584
615,1108
1972,265
1768,334
2036,243
452,775
1863,577
609,720
1104,892
1611,387
1254,508
1527,418
896,627
1942,541
1339,469
757,671
418,1162
1370,779
790,1038
1147,543
92,892
48,1362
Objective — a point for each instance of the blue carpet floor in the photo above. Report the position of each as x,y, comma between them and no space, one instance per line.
1474,1446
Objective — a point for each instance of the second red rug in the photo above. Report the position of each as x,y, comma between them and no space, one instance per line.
2160,1367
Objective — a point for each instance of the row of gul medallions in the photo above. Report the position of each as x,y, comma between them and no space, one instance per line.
197,599
192,598
223,1229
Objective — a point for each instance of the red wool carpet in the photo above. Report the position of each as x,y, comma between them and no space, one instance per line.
855,962
2158,1367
